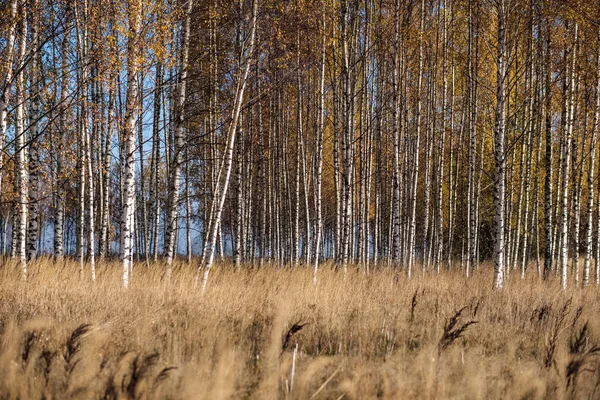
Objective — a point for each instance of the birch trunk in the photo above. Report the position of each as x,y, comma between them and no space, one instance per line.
6,67
577,171
499,154
296,236
530,137
319,160
20,149
34,116
225,169
175,177
564,245
154,167
548,226
347,140
62,135
106,173
188,211
472,76
415,174
441,148
128,165
90,204
81,41
143,212
590,180
396,139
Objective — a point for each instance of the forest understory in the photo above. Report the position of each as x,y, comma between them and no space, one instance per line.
269,333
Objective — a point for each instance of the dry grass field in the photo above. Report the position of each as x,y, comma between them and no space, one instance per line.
354,337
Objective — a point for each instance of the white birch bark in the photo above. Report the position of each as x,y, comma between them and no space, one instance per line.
90,205
577,172
128,165
61,180
396,139
548,228
499,154
6,68
530,134
430,124
225,169
471,217
564,245
154,178
107,160
319,160
347,140
175,177
415,173
20,149
142,233
34,115
81,41
590,180
441,148
188,212
296,228
239,211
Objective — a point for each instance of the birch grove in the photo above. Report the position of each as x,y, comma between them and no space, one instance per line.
419,135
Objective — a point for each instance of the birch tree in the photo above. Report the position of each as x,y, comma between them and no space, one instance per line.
590,179
319,155
20,143
566,160
175,179
134,14
502,7
6,69
224,174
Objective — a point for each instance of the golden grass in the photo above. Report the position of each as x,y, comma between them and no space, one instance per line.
364,336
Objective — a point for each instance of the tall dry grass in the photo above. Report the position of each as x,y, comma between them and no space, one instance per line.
354,336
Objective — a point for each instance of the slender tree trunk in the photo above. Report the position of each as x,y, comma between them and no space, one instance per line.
530,136
62,135
499,154
472,77
319,160
154,168
143,214
20,149
347,139
91,209
564,245
577,171
7,67
128,206
396,139
175,177
81,41
415,174
548,225
104,244
441,149
34,142
188,210
225,169
590,180
239,210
